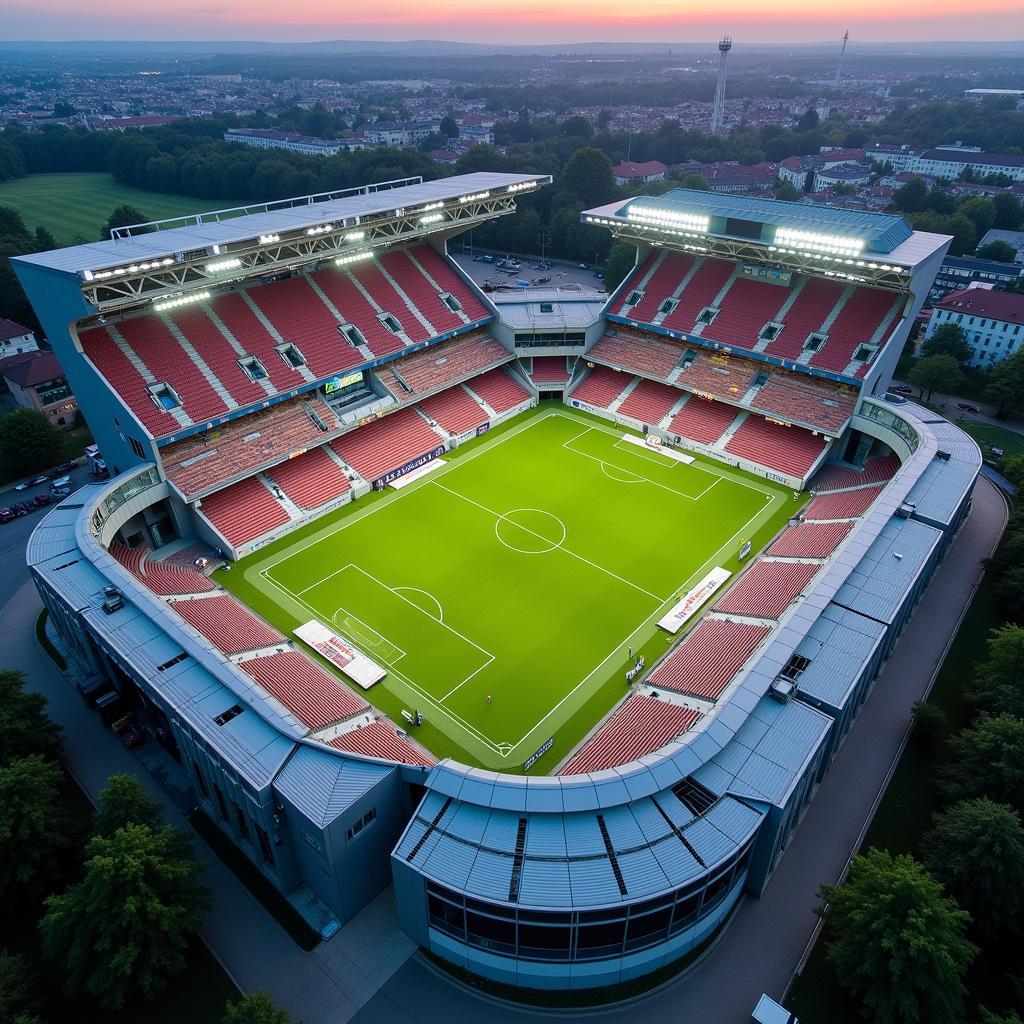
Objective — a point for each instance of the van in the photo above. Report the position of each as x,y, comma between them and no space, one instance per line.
61,487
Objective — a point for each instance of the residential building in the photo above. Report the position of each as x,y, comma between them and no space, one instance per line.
37,382
992,322
1014,239
960,272
15,339
631,173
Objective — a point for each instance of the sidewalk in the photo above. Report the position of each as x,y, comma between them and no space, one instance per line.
326,986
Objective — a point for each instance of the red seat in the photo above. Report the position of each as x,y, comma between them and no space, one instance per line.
455,409
649,402
244,511
499,390
789,450
310,479
702,420
601,387
377,448
767,588
378,739
228,624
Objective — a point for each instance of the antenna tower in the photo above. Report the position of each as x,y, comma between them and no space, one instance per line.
718,114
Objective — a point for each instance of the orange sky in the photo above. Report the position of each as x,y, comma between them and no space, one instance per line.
517,21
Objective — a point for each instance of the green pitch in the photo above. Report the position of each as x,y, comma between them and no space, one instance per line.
521,571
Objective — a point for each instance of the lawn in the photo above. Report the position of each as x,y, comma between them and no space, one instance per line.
989,436
75,206
521,571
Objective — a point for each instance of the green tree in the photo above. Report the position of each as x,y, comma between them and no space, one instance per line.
987,759
930,722
1000,251
976,849
787,191
998,684
125,927
1009,592
577,127
588,177
121,217
28,442
24,726
948,340
618,265
1009,212
898,944
449,128
255,1008
1013,470
987,1017
910,198
1006,384
125,801
980,212
809,120
937,373
33,826
17,993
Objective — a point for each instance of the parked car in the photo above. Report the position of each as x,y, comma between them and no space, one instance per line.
22,487
128,732
24,507
543,280
41,479
7,515
967,407
901,389
42,500
582,266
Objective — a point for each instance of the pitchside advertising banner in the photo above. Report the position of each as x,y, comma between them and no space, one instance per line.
356,665
540,753
382,482
693,599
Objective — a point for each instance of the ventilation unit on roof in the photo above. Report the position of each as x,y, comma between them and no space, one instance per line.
906,510
782,690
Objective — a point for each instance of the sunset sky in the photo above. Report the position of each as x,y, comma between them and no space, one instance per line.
516,21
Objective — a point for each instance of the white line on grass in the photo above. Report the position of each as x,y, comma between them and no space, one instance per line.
560,547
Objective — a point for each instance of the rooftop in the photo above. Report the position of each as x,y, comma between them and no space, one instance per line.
1005,306
31,368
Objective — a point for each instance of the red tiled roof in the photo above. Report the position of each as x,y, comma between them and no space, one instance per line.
9,329
1005,306
33,368
629,169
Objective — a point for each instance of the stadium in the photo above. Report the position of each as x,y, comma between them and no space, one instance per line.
548,610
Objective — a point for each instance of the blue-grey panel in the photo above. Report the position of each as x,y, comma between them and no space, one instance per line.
676,861
320,784
593,883
582,834
545,836
622,828
545,884
578,795
509,796
501,830
766,778
678,813
716,778
642,874
738,821
711,844
449,860
544,799
476,791
490,876
468,822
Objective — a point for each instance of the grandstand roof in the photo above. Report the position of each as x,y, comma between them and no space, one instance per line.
881,232
522,308
204,231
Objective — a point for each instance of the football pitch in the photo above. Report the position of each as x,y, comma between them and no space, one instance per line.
503,591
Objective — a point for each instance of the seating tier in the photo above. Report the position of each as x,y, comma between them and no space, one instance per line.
244,511
789,450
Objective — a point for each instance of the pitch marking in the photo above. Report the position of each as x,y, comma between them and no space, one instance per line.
416,590
553,545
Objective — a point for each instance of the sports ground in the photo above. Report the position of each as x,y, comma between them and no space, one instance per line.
523,571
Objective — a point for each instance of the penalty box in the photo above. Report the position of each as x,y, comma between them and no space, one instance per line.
402,628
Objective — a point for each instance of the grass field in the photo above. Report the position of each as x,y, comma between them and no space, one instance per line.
523,569
78,204
989,436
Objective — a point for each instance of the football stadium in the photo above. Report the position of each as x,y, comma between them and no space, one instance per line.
546,607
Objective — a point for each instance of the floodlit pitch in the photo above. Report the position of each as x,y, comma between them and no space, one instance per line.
504,591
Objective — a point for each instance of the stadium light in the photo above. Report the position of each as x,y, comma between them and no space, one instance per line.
180,300
841,245
669,218
269,239
355,236
475,197
352,258
432,206
320,229
221,265
521,185
432,218
134,268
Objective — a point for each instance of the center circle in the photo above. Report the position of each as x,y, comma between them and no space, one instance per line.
530,531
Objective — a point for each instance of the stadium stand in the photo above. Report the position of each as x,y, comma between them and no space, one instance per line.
835,477
842,504
549,370
227,624
249,331
709,657
163,579
820,404
210,459
640,726
377,448
649,402
601,387
424,296
669,269
371,277
316,698
745,309
629,349
702,420
341,289
244,511
441,271
719,375
767,588
455,409
442,365
863,313
809,540
810,310
498,390
310,479
378,739
789,450
707,281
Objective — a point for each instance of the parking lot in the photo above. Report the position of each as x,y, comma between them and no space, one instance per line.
560,273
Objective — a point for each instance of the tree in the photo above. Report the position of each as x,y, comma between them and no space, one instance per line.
1009,212
1006,384
1000,251
987,1017
948,340
930,722
980,212
28,442
998,684
1013,470
1009,592
256,1008
588,177
16,988
577,127
809,120
33,826
124,801
787,191
937,373
976,849
910,198
24,726
448,127
123,216
125,927
619,263
987,759
898,944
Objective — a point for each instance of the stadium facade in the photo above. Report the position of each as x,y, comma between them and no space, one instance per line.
247,374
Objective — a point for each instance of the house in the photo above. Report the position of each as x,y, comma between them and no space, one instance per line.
15,339
630,173
1014,239
36,381
842,174
734,177
992,321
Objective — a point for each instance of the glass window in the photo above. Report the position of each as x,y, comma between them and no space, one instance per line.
685,913
647,929
491,933
544,943
447,917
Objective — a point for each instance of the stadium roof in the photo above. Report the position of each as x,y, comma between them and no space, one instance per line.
204,231
728,214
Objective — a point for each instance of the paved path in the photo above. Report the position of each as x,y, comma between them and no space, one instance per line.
326,986
761,949
359,974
